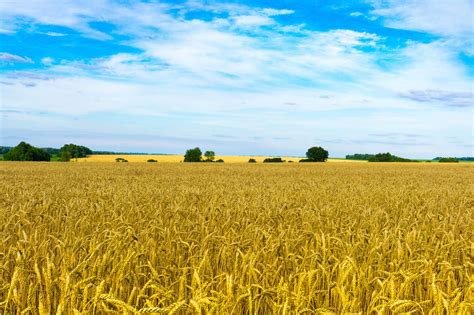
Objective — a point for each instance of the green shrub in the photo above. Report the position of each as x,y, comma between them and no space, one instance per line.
273,160
64,156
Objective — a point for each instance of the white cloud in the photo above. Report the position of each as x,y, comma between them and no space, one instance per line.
450,18
47,61
10,58
67,13
273,12
356,14
236,76
252,20
53,34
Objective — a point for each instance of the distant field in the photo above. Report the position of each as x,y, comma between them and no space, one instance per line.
326,238
179,158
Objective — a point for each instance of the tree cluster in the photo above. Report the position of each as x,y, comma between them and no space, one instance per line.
26,152
195,155
448,160
388,157
73,151
359,156
4,150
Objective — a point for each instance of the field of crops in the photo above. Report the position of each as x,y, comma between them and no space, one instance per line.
85,238
172,158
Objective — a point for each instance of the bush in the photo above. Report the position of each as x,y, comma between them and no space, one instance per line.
448,160
151,161
119,159
252,161
64,156
305,160
273,160
220,161
26,152
317,154
193,155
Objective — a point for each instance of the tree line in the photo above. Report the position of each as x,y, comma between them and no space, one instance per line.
314,154
26,152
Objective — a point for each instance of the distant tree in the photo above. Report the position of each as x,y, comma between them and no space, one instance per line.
466,158
4,150
64,156
317,154
51,151
76,151
358,156
220,161
252,161
193,155
119,159
151,161
210,156
26,152
382,157
388,157
448,160
273,160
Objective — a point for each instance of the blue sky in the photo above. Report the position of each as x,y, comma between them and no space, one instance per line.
239,77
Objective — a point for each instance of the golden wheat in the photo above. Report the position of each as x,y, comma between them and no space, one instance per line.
175,158
84,238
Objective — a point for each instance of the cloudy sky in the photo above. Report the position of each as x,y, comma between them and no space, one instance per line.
239,77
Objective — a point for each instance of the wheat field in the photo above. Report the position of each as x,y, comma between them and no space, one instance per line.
132,238
174,158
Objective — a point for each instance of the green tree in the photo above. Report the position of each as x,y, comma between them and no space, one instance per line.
64,156
26,152
193,155
358,156
448,160
317,154
210,156
388,157
76,151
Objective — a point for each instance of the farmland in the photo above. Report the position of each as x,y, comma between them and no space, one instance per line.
84,238
175,158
